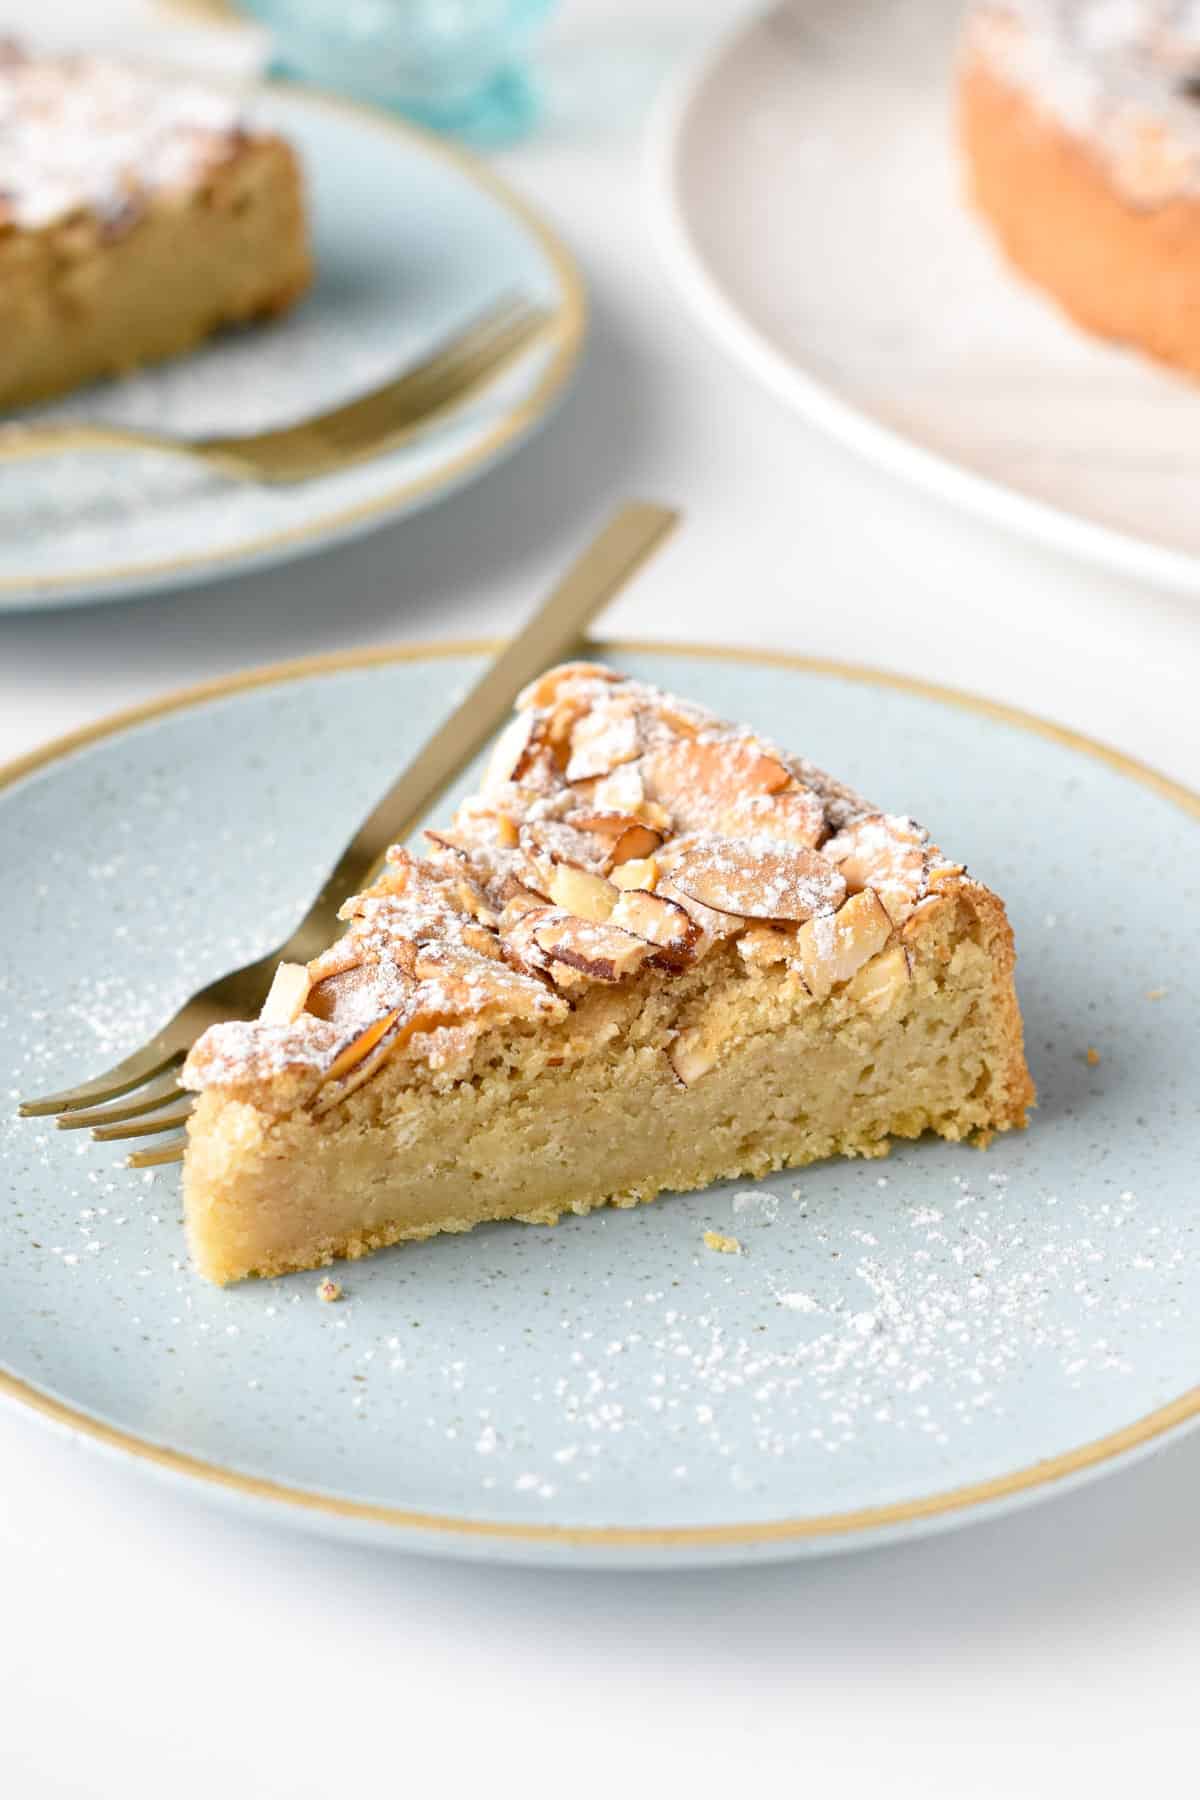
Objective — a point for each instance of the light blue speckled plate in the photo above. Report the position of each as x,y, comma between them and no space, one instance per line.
902,1346
411,239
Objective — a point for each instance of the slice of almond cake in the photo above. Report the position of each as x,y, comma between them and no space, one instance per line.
654,952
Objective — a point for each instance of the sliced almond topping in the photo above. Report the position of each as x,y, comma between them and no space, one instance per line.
343,954
940,871
880,983
756,880
663,923
506,831
586,896
459,985
557,842
831,947
690,1057
713,924
626,836
887,853
601,952
474,903
522,900
621,792
338,993
634,843
289,991
695,778
793,815
544,691
450,841
339,1088
352,1054
639,872
514,750
603,739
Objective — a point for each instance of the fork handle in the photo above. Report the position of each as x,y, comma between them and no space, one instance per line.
630,536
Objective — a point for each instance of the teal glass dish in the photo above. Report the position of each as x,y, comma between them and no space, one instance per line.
456,66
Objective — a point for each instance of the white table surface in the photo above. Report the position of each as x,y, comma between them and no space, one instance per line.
152,1646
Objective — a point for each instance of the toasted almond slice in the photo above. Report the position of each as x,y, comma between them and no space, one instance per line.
626,836
585,895
554,841
518,942
690,1057
603,739
601,952
472,901
514,750
352,1053
663,923
695,778
451,841
634,843
792,815
713,924
880,983
833,946
545,690
506,831
886,852
940,871
621,792
754,880
336,990
520,901
389,1041
289,990
639,872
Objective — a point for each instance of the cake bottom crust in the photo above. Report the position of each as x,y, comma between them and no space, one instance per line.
792,1082
1125,272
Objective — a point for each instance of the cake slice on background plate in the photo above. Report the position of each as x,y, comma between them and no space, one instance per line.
654,952
138,214
1080,131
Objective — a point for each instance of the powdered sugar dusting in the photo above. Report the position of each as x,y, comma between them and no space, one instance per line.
87,132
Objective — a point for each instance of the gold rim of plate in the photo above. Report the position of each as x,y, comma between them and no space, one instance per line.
829,1525
570,328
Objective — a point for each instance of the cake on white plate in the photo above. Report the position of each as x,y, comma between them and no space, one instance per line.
1079,122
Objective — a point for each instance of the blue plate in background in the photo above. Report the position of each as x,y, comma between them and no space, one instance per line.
411,238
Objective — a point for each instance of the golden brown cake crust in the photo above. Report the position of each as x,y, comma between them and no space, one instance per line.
647,914
1125,269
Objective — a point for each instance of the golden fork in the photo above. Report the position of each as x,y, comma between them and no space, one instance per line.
634,531
453,373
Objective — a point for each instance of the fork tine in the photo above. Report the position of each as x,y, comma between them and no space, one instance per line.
385,415
164,1153
149,1061
416,395
148,1100
111,1134
443,356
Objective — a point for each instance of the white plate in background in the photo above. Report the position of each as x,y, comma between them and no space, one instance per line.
809,204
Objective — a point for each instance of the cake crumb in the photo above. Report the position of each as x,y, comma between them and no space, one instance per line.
328,1289
719,1240
1093,1056
1156,993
